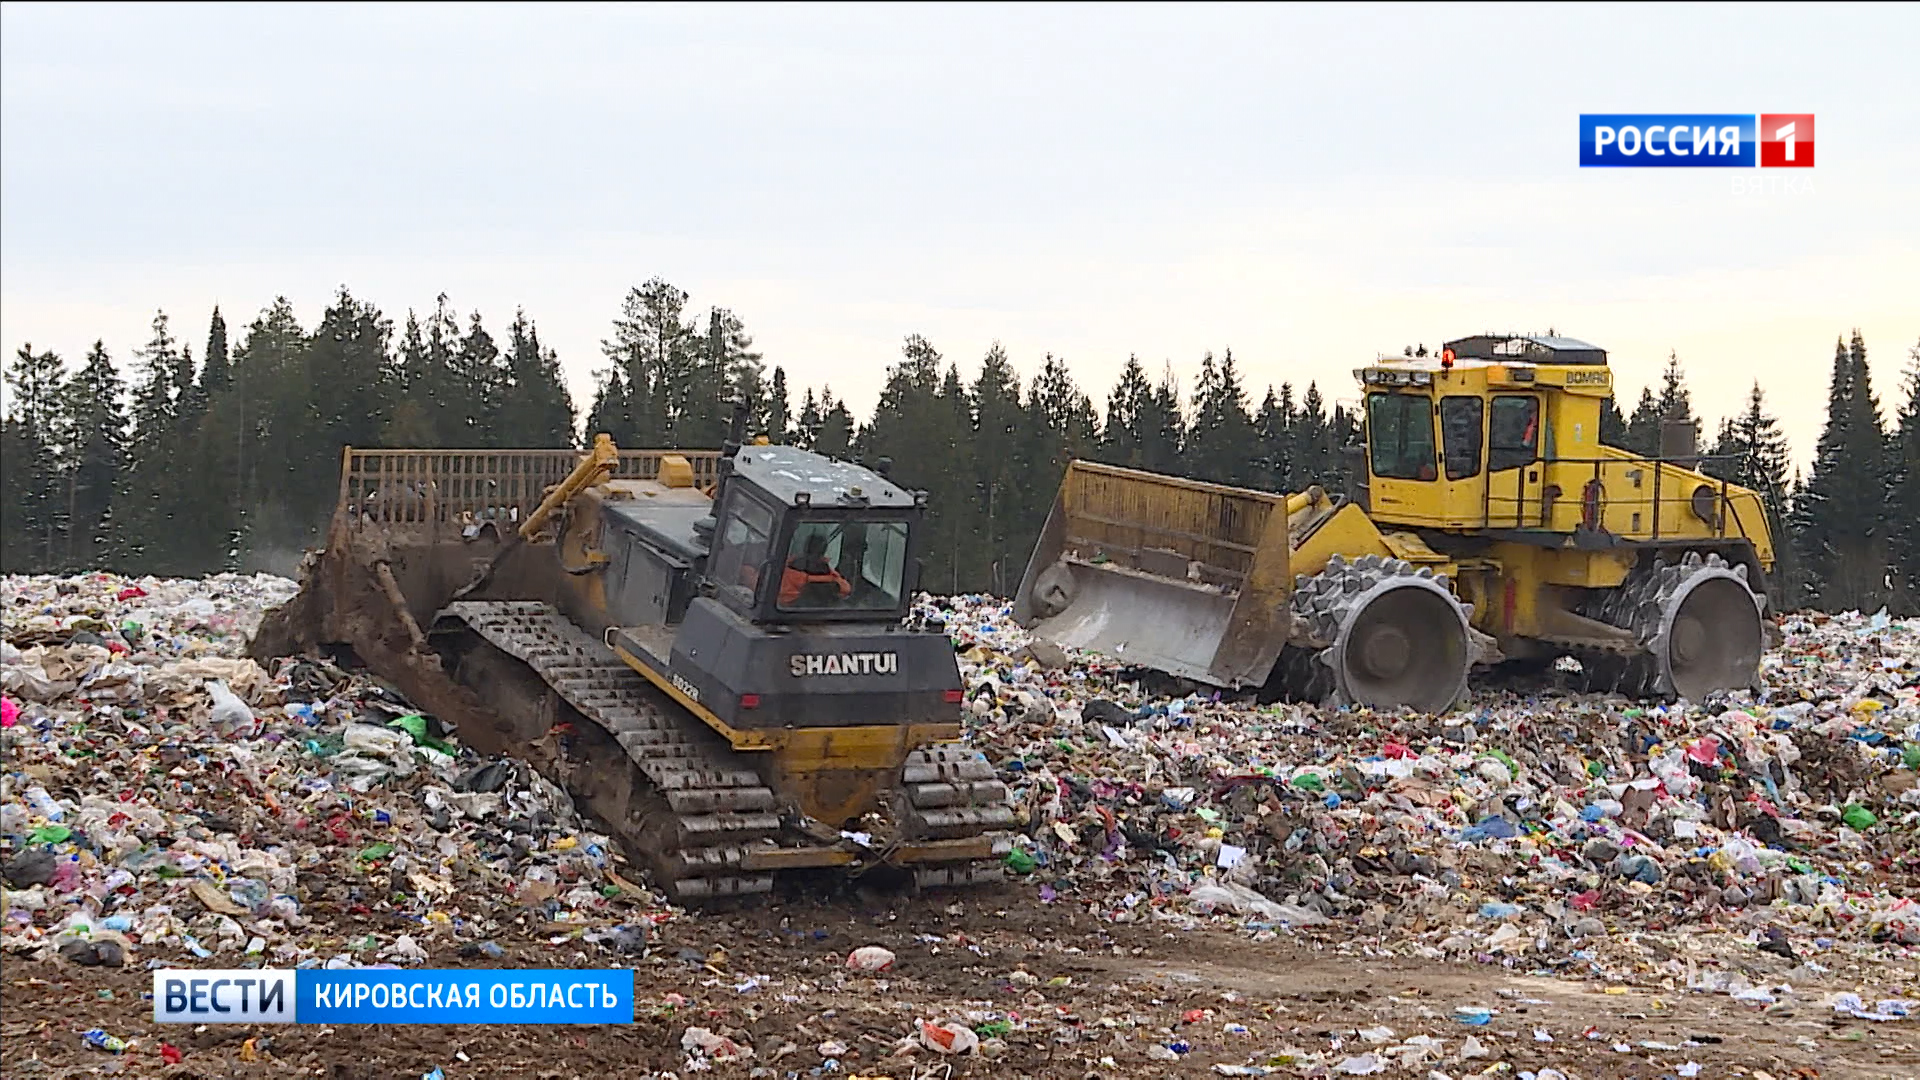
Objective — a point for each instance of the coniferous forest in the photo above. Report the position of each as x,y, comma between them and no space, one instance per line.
182,460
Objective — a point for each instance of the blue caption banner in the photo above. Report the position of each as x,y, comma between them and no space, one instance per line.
465,996
1667,140
390,996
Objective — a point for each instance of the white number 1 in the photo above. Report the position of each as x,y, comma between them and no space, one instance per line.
1785,135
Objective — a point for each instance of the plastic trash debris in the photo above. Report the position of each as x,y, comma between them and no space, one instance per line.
870,958
948,1037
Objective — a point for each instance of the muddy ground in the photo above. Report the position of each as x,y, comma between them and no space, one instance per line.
1085,999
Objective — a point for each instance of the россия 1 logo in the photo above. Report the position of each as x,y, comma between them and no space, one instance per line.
1696,140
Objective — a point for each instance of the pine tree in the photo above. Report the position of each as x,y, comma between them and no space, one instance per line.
537,410
96,465
1123,439
36,517
657,352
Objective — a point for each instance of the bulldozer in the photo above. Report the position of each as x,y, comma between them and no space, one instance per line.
1492,528
715,653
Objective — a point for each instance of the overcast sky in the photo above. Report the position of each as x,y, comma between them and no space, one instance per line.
1305,185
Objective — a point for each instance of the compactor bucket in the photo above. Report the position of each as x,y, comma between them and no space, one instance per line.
1177,575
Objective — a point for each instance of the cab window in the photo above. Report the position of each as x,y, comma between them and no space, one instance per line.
735,567
1460,434
845,566
1400,436
1514,434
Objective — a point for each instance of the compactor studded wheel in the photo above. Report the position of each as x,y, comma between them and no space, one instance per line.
1391,635
1699,622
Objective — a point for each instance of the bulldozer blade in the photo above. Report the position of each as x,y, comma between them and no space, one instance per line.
1182,576
1711,635
1137,619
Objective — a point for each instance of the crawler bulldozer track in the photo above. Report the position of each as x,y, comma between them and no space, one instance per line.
674,791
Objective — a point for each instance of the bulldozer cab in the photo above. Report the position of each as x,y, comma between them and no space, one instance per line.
804,539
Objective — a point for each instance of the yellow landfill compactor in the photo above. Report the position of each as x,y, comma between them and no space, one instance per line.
715,654
1492,527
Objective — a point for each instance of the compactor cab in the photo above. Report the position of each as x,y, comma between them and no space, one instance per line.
1493,525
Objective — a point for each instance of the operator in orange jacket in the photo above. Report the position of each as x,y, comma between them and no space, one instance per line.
810,569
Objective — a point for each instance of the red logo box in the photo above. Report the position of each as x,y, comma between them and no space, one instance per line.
1786,140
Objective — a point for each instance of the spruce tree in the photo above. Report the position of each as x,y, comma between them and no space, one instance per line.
97,460
999,423
346,400
918,432
36,512
1343,439
1313,447
216,367
1059,426
254,434
835,439
1675,403
612,410
951,520
1270,427
1613,425
537,410
414,420
1903,506
1220,444
154,541
779,420
731,370
1123,439
482,375
806,432
1840,517
1164,425
441,390
1643,428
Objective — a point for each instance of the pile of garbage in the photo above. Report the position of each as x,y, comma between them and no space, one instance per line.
167,798
1540,827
